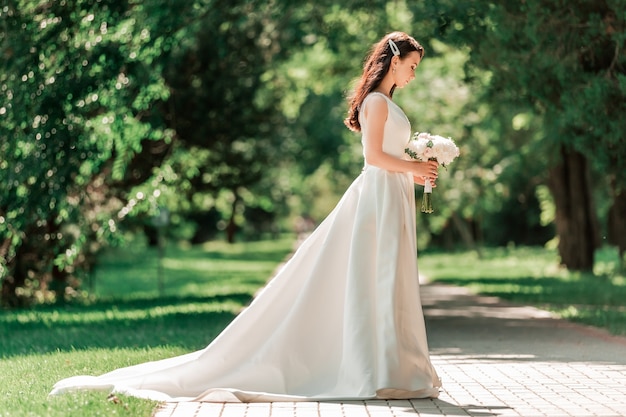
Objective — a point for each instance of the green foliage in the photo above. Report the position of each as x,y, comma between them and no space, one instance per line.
75,98
230,113
553,84
99,94
491,185
571,73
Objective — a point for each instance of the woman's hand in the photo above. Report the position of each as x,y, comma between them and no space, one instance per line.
423,170
422,180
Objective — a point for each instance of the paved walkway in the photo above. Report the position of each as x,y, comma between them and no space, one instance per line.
495,359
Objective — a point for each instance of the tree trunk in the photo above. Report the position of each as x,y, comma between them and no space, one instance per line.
6,286
231,227
617,220
14,280
576,221
466,233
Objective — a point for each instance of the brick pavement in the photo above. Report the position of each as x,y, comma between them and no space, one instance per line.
495,359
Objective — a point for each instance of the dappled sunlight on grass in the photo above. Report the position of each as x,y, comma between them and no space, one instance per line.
607,262
533,276
127,313
126,322
608,317
209,269
518,262
190,328
211,265
198,302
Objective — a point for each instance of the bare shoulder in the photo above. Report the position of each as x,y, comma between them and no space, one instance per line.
375,103
377,99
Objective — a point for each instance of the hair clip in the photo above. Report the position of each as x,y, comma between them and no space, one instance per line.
394,48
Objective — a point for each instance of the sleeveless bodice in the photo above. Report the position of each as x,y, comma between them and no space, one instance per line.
397,127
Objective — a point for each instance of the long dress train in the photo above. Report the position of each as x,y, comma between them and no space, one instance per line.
342,319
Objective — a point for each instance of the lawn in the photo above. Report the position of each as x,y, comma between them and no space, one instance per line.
132,319
531,275
204,287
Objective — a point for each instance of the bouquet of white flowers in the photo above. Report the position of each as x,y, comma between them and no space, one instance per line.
427,147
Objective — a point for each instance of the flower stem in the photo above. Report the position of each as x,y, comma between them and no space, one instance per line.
427,205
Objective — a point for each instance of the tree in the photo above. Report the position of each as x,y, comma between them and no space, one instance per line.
77,87
250,100
106,105
565,62
221,108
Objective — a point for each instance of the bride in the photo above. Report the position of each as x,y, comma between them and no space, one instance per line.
343,318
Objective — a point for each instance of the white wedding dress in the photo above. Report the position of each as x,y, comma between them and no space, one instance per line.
342,319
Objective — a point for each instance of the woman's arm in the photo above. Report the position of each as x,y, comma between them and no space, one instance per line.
376,114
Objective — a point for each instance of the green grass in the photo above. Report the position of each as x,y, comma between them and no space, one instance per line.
128,323
532,276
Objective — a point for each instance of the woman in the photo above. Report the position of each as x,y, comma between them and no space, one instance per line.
342,319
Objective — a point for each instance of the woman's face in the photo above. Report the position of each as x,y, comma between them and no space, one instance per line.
405,69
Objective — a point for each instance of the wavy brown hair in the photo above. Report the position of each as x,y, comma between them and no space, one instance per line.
374,70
